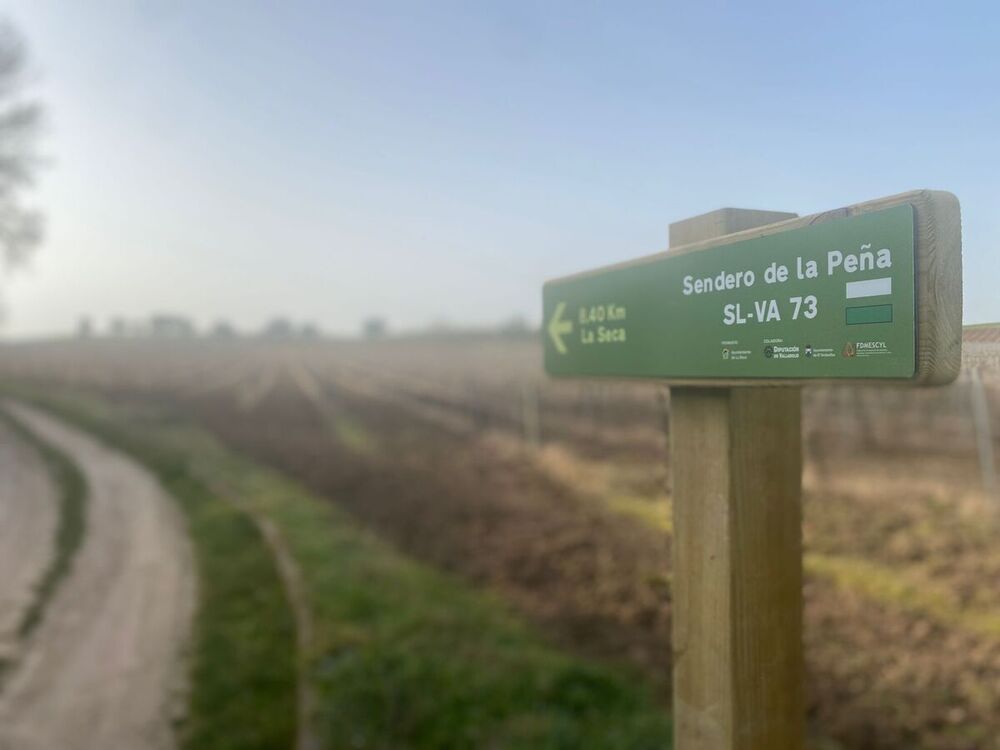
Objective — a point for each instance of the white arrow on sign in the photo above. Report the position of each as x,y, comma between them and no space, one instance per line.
559,327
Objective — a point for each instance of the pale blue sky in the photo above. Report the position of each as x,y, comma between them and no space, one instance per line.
438,161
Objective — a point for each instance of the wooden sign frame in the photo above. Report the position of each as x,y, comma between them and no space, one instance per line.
937,270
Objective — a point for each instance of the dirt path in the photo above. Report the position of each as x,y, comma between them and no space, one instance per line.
28,511
104,669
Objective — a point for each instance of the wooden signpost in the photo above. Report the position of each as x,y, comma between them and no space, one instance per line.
745,308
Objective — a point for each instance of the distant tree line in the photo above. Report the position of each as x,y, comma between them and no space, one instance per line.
171,326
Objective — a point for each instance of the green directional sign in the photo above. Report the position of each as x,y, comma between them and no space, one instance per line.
835,299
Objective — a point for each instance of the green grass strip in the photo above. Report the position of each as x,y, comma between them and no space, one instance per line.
404,656
242,674
71,526
408,657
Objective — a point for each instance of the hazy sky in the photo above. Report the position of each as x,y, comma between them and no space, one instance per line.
432,161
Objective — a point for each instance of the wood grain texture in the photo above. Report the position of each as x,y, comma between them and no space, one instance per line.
736,455
737,592
938,248
721,222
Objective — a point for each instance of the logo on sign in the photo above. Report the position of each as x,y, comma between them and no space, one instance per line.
769,351
849,350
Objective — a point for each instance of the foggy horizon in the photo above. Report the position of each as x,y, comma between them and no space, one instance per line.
438,164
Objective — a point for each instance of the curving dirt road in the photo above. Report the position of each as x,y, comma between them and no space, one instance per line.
104,669
28,509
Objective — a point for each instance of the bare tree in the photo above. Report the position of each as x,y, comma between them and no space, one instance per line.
20,123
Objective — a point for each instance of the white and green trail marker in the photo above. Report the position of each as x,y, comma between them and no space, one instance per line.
834,296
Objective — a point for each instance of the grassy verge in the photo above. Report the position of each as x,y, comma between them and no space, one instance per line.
242,693
243,672
407,657
70,525
903,589
403,656
908,591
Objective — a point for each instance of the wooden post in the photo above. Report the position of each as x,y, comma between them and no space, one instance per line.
529,414
736,455
984,433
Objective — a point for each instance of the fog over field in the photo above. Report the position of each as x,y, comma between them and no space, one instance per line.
451,376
